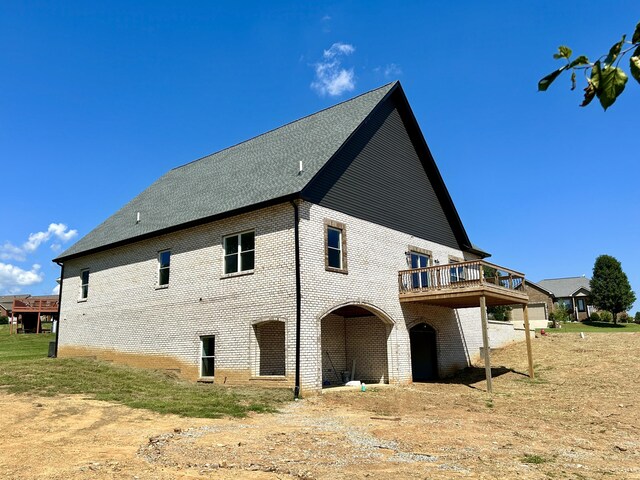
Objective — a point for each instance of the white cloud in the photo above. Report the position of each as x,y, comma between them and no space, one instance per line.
338,49
56,290
56,247
12,277
8,251
389,71
392,70
331,78
60,231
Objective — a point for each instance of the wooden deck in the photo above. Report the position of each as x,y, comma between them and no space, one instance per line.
460,285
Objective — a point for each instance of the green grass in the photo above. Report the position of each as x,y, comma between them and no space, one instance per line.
595,327
535,459
25,369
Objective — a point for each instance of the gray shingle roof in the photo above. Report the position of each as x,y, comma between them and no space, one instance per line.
258,170
565,287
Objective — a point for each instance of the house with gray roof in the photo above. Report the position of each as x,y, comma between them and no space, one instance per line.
324,249
573,293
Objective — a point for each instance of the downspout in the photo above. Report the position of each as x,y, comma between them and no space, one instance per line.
296,236
61,265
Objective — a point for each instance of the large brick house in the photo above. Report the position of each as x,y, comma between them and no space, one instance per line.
288,258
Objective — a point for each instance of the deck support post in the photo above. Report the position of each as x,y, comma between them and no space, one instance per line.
485,342
525,313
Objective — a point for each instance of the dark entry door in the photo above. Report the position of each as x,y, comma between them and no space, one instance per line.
424,355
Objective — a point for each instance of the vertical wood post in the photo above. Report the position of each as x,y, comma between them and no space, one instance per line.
525,313
485,342
38,324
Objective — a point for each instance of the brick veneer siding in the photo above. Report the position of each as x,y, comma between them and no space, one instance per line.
375,255
127,318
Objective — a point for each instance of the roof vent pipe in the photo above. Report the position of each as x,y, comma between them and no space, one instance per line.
300,168
137,217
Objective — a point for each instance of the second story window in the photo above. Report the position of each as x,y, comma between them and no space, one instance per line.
335,247
239,252
164,264
84,284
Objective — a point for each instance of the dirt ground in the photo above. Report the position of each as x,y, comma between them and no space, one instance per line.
577,420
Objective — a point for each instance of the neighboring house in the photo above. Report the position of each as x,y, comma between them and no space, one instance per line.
6,303
540,306
288,259
573,292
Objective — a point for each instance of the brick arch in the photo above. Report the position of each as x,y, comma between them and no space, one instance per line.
361,335
378,312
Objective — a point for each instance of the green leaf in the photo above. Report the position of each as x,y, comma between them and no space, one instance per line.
614,52
564,52
573,80
635,64
581,60
612,82
636,34
548,80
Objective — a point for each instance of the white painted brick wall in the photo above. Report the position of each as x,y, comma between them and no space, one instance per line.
125,312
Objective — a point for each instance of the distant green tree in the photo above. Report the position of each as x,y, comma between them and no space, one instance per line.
501,313
637,317
605,79
560,313
610,288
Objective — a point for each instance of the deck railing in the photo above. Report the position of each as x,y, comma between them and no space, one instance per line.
27,305
474,273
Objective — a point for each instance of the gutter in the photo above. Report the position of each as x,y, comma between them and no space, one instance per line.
296,235
61,265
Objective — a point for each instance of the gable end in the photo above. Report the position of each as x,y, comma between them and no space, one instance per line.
385,174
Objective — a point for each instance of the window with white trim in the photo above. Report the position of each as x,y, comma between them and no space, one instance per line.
84,284
164,264
239,252
207,355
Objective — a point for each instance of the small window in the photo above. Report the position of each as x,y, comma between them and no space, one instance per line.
164,263
335,247
84,284
207,356
239,252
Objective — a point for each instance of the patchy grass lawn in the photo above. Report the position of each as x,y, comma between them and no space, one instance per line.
595,327
25,369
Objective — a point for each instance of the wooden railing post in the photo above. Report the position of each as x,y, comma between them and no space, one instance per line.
485,342
525,314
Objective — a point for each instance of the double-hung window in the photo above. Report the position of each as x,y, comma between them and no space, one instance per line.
239,252
207,356
164,264
84,284
335,247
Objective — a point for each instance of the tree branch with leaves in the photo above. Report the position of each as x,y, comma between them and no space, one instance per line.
605,79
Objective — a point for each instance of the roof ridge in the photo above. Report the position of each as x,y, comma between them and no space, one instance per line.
285,125
563,278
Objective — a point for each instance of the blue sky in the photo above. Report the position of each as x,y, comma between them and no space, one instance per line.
98,99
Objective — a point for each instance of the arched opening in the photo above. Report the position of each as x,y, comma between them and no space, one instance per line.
424,353
353,336
270,356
